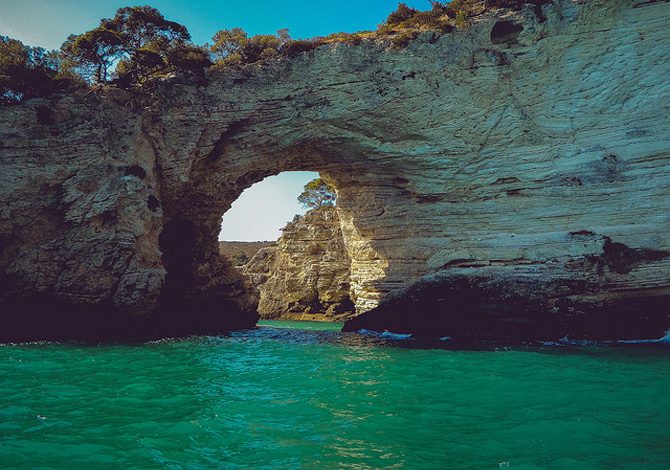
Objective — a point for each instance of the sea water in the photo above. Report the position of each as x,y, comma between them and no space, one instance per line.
304,395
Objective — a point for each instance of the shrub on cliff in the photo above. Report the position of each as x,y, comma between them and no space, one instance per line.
443,16
189,58
401,14
346,38
404,20
241,259
26,72
516,4
317,193
296,46
235,47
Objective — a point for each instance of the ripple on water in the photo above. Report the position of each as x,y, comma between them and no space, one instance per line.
313,397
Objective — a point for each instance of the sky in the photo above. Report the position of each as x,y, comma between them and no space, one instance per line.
265,207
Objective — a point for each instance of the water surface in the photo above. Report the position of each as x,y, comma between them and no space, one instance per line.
304,395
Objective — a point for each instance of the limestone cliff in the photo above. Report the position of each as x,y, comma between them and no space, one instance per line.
530,147
239,253
306,275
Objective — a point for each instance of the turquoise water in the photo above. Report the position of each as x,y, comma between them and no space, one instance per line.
302,395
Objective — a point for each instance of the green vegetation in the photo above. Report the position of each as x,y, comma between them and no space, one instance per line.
438,18
26,72
317,193
235,47
138,45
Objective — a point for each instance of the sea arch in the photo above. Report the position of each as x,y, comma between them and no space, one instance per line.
532,159
457,153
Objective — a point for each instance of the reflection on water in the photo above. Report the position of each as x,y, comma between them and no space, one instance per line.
313,397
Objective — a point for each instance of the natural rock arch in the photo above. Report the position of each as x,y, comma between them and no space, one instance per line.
453,154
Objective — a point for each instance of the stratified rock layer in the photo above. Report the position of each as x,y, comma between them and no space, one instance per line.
306,275
532,145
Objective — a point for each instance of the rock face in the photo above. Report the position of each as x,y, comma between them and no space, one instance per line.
531,148
239,253
306,275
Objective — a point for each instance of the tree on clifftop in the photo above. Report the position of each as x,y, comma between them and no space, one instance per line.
235,47
25,72
133,46
317,193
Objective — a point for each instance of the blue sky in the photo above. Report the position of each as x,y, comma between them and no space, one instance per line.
266,207
47,23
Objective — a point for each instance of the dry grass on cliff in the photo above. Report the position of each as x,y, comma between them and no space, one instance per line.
405,23
399,29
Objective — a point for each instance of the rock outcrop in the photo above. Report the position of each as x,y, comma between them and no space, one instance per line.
306,275
239,253
531,145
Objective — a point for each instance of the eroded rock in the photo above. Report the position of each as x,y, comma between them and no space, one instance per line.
306,275
453,154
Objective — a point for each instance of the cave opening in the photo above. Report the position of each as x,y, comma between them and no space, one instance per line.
505,32
283,235
332,265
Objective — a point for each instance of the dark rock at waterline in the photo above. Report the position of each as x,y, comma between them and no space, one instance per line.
44,318
510,310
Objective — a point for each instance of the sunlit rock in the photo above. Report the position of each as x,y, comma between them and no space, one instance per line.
306,275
